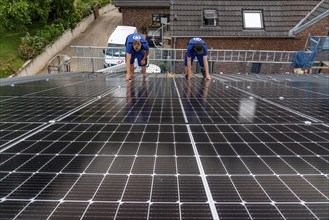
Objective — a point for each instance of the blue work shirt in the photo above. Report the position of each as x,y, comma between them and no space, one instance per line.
129,43
190,47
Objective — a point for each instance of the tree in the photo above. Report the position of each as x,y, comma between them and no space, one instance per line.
61,9
14,15
40,10
17,14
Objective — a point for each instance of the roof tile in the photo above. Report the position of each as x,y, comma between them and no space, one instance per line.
279,17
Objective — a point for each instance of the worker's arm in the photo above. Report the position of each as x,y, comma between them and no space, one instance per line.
206,66
128,58
145,56
189,66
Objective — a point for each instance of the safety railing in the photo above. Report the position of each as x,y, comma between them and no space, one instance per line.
165,54
100,59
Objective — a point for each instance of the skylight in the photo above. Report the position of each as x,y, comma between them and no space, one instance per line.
253,20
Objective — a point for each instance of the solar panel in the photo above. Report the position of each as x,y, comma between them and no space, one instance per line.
94,146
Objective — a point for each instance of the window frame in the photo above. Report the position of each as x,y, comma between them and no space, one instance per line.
214,21
244,19
156,19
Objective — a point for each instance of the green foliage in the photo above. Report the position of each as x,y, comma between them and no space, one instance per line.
102,3
75,18
95,3
9,42
61,9
32,46
163,67
17,16
14,15
7,70
50,32
84,8
40,10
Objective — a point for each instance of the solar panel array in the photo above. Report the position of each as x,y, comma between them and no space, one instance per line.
92,146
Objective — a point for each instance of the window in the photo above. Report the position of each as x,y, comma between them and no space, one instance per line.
158,18
210,17
255,68
253,20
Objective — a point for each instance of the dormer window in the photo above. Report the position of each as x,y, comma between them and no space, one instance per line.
210,17
253,19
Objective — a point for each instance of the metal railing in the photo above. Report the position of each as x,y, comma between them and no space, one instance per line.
167,54
60,63
93,59
259,56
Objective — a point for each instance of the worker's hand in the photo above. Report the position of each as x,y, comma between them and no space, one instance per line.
127,77
143,62
188,76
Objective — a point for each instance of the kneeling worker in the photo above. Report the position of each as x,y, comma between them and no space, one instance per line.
197,48
136,47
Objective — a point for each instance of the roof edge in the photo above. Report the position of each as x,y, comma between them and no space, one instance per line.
157,6
291,32
25,79
297,29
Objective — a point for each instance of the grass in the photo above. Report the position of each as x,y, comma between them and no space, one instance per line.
9,43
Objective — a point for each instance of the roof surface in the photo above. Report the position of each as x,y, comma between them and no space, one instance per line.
279,17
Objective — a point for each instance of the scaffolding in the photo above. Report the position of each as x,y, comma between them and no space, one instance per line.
321,58
314,55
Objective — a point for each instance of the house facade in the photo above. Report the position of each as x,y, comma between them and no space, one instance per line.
235,25
144,13
249,25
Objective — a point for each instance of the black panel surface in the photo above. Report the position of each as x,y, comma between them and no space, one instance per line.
98,147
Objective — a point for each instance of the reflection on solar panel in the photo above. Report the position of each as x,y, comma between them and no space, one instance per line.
97,147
